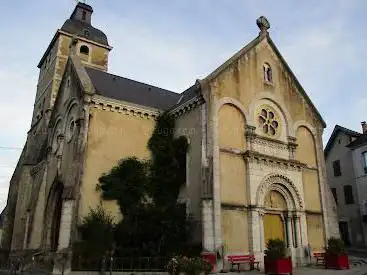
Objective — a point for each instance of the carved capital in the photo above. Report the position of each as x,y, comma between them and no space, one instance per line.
261,212
250,131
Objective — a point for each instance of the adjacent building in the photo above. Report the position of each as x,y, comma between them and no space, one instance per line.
346,162
255,166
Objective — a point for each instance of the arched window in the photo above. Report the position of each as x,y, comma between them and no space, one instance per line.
268,76
84,50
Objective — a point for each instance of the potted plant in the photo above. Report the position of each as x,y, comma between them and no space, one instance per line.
195,266
173,266
275,259
336,256
211,257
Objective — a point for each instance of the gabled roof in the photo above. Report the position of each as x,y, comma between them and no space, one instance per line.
120,88
361,140
250,46
335,133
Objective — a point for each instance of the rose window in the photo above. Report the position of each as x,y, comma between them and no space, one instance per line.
268,122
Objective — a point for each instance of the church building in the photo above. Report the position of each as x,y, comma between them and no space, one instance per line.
255,164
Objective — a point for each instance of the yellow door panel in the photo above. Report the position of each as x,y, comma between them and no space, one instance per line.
273,227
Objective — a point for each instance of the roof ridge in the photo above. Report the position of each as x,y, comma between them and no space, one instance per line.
333,135
136,81
347,129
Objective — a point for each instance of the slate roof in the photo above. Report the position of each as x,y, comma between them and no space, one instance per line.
335,132
85,30
132,91
187,95
361,140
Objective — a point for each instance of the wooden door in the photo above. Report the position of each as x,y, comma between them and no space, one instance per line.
273,227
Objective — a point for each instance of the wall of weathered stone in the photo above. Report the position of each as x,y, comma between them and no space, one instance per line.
112,136
189,125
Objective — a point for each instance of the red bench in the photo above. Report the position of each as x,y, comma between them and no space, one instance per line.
243,259
320,258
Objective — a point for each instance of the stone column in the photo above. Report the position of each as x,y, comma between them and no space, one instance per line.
208,225
292,145
63,254
25,240
297,231
254,226
288,221
262,237
255,232
250,136
65,224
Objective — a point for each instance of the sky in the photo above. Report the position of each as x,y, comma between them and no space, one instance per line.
171,43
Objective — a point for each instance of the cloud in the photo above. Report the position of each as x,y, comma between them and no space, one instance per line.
172,43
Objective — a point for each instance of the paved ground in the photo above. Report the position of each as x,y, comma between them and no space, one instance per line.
361,270
358,266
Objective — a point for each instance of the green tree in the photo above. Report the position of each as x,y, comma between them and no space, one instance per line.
97,233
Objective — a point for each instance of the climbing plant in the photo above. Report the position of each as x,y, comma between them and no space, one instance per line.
154,222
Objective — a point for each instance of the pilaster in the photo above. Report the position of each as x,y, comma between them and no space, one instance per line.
208,225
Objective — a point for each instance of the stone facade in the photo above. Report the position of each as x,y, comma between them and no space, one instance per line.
347,148
252,132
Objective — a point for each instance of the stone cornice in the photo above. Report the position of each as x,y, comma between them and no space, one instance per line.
252,156
234,151
313,212
234,206
111,105
86,40
187,106
271,140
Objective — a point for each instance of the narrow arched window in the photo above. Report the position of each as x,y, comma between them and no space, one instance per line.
84,50
268,76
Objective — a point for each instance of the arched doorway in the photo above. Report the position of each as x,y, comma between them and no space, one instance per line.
56,219
275,207
53,213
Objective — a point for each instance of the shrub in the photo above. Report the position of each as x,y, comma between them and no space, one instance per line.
173,266
275,249
335,246
194,266
189,266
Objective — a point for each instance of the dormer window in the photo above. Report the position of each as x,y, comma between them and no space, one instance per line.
268,76
84,50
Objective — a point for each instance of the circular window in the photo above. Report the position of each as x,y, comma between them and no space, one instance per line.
268,121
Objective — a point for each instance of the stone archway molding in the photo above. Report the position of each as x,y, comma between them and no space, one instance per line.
283,185
280,106
234,102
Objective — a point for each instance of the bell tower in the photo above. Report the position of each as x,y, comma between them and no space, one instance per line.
91,46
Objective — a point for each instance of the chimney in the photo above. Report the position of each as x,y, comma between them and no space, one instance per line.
364,127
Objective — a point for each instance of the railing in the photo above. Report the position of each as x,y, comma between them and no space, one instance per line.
28,262
154,264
